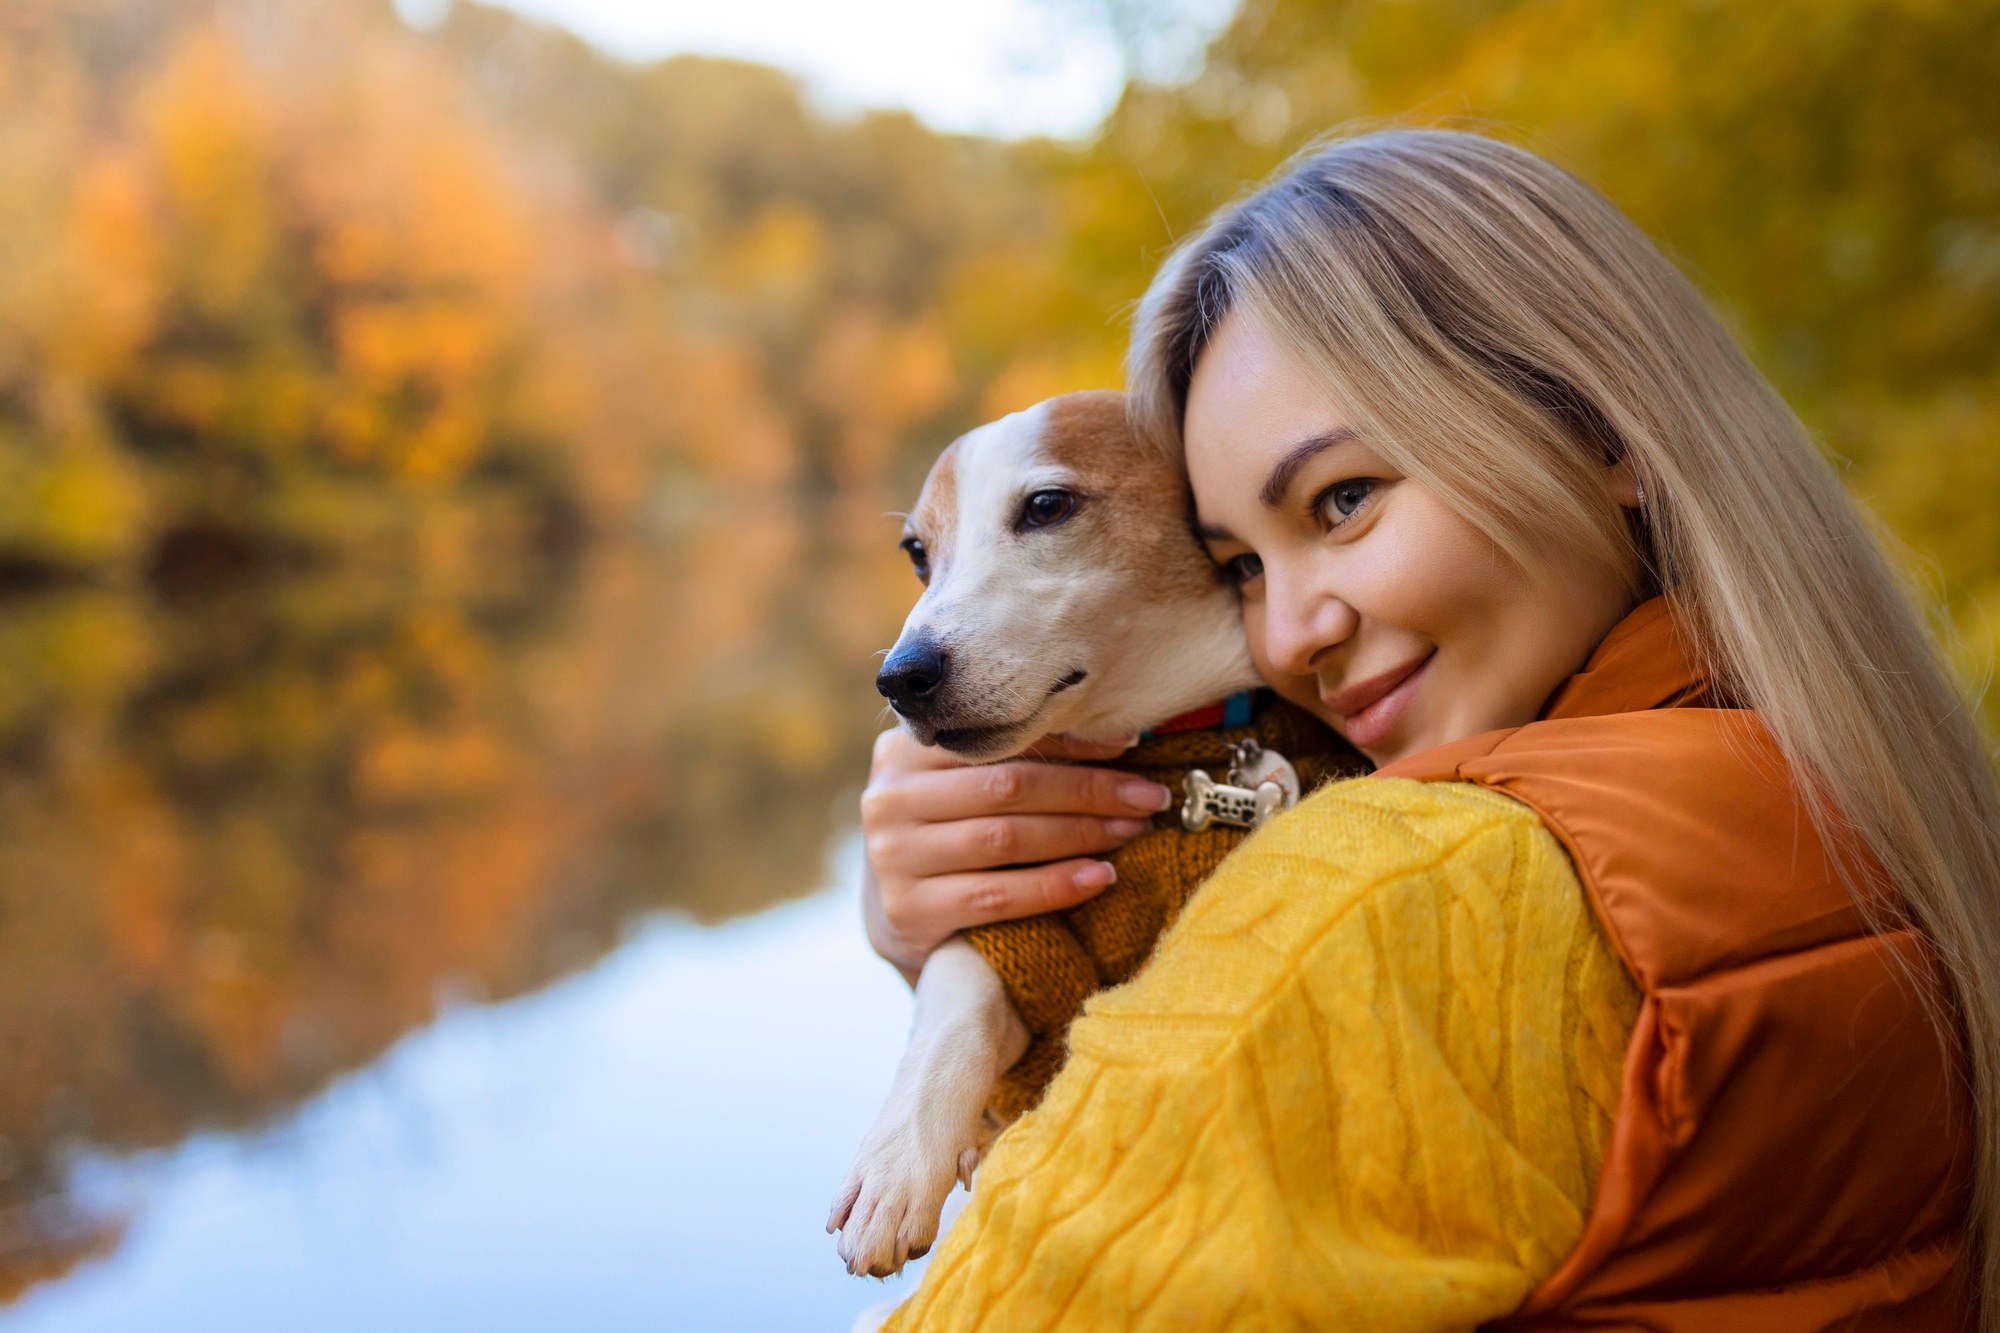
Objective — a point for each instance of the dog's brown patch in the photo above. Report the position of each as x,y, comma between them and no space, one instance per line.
935,518
1132,484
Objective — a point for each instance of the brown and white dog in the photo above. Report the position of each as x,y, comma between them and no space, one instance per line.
1065,591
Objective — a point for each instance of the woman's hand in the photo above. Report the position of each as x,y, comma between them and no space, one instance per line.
951,845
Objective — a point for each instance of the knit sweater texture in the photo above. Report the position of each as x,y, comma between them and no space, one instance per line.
1050,964
1365,1083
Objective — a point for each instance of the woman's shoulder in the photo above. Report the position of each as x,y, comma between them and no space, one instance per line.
1364,876
1390,812
1396,983
1352,842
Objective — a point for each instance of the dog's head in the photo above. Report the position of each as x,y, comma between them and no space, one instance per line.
1064,588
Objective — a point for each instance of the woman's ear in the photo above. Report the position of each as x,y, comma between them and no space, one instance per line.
1623,483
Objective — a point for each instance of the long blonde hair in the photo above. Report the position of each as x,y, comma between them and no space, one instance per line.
1499,330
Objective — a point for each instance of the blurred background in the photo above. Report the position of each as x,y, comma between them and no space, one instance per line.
447,456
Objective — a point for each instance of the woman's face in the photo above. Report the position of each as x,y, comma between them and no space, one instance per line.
1367,600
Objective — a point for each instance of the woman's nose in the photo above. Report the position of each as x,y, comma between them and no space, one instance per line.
1301,622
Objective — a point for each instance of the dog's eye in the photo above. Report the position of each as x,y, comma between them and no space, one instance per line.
1242,569
1045,509
920,559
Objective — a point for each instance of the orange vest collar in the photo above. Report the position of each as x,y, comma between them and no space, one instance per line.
1647,661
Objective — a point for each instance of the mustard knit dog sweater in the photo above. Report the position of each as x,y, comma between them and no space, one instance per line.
1052,963
1365,1084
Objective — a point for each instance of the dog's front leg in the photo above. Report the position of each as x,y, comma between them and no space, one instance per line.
965,1034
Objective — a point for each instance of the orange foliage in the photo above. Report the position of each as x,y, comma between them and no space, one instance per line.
443,477
317,376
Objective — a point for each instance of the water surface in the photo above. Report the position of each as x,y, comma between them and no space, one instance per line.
650,1145
385,948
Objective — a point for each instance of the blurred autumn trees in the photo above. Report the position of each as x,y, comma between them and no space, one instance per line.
1827,170
443,475
417,555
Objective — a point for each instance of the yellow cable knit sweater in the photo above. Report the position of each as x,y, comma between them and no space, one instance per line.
1365,1083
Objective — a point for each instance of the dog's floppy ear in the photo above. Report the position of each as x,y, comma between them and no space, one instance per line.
933,524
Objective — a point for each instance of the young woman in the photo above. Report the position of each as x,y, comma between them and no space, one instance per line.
1654,979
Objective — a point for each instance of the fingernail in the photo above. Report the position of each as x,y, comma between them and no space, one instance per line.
1125,828
1145,795
1095,875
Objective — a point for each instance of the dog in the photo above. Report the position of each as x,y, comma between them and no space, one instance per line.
1065,591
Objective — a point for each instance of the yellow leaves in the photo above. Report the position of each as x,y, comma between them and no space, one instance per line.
723,420
1829,172
878,379
73,501
205,126
1009,308
397,192
254,255
400,766
357,251
293,294
1933,482
1028,381
114,282
450,652
81,653
194,394
782,257
145,881
408,392
796,732
86,502
912,374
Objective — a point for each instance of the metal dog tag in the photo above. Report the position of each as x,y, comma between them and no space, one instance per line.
1261,783
1251,765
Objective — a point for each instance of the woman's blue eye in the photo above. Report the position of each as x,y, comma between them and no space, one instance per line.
1341,499
1241,569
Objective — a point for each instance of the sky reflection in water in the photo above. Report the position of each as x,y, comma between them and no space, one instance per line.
648,1145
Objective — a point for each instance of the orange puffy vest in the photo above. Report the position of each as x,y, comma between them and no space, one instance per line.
1792,1147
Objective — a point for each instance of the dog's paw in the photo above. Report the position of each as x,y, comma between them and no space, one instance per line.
887,1209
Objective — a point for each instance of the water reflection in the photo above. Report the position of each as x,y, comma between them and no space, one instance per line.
250,839
645,1146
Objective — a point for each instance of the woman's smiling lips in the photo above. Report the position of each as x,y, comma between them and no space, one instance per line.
1371,708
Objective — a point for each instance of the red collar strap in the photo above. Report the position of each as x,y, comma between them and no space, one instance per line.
1235,711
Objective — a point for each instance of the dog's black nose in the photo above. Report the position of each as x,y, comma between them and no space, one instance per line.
912,675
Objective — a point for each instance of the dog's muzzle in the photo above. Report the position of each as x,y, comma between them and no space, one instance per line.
913,677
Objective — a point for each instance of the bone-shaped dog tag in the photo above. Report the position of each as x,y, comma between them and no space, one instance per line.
1211,802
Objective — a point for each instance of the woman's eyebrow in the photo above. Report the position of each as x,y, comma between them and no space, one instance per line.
1213,532
1280,480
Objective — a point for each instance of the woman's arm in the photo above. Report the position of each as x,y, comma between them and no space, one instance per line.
1365,1084
951,845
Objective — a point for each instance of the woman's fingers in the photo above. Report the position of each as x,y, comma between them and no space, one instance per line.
984,896
951,845
897,752
1017,788
905,925
920,851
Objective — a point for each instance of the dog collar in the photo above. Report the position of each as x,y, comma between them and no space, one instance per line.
1235,711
